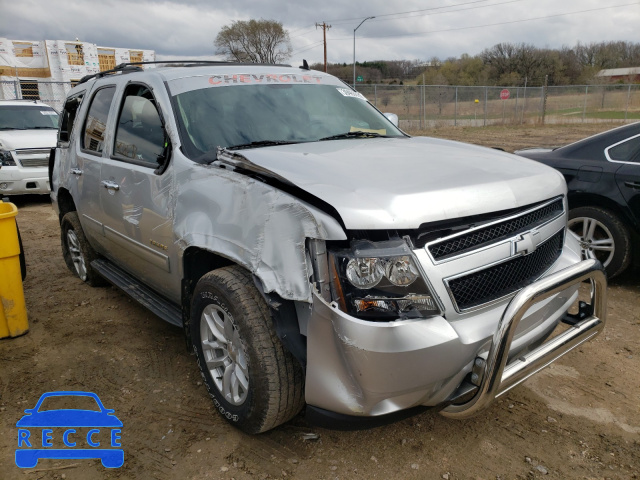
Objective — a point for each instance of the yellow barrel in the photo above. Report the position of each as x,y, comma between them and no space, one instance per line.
13,311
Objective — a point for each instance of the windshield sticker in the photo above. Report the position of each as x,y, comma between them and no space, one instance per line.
350,93
265,78
47,112
381,131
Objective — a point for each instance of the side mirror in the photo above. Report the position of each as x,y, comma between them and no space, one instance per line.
392,117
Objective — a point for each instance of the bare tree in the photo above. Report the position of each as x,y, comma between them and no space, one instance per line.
254,41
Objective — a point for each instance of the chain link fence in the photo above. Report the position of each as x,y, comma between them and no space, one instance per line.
51,93
428,106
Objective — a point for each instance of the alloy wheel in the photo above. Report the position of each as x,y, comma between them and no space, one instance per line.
596,240
224,354
76,255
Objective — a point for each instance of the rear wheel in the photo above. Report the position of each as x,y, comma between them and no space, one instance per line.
602,236
253,381
77,252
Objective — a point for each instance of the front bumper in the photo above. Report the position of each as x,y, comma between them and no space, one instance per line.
360,368
20,181
498,377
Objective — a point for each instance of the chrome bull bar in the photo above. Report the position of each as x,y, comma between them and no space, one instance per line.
499,377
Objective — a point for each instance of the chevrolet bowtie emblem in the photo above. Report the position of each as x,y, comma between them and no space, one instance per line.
525,243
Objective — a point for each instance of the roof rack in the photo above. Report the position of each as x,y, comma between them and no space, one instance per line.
135,66
122,68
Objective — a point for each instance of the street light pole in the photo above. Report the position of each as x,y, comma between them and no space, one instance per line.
354,49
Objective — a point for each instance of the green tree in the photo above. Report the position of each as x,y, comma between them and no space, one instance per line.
254,41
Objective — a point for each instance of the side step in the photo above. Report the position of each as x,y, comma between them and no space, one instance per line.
158,305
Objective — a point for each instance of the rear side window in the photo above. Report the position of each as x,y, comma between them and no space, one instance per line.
96,122
626,151
69,113
139,134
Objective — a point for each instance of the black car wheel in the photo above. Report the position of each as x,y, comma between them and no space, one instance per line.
253,381
602,236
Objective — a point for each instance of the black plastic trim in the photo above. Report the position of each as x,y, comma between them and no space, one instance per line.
285,321
339,421
153,301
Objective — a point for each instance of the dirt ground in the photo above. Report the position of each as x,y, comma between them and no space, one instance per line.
579,419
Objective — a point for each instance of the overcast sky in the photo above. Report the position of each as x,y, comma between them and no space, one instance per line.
410,29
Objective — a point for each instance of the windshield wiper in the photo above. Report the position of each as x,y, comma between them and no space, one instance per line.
356,134
42,128
260,143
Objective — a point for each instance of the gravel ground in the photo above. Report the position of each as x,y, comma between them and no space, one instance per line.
578,419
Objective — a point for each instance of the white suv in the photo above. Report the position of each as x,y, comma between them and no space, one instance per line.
27,133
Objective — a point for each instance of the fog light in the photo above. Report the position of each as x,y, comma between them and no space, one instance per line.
4,186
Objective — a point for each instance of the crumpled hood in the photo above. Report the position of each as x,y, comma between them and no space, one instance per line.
19,139
401,183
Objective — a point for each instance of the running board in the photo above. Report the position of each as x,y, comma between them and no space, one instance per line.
142,294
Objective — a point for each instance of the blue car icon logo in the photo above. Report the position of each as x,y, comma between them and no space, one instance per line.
69,433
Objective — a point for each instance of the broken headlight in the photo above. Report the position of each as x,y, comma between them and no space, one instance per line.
381,281
6,159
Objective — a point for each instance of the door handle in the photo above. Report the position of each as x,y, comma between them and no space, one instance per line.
634,185
110,185
76,171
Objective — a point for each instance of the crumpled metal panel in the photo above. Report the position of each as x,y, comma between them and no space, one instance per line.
255,225
367,368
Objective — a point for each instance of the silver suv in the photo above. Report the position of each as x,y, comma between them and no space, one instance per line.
27,135
312,251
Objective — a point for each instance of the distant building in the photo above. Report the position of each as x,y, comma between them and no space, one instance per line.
31,69
622,75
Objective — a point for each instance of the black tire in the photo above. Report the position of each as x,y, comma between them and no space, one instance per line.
77,252
274,379
607,227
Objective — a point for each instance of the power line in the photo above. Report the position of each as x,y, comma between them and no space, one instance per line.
346,20
306,32
415,34
449,11
414,16
303,28
309,47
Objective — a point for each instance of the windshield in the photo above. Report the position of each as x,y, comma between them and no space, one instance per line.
280,113
27,117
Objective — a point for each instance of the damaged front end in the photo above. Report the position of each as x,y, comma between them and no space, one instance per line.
380,342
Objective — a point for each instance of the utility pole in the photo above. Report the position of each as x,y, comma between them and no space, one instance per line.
325,27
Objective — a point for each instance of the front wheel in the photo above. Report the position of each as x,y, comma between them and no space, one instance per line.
602,236
253,381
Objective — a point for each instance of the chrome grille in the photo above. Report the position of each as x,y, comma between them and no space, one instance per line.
34,162
34,151
497,281
495,232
